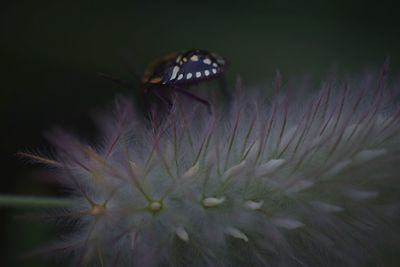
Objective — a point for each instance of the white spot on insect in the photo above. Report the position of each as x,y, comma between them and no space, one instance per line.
184,59
214,71
188,76
198,74
174,73
180,76
178,59
215,64
194,58
206,72
207,61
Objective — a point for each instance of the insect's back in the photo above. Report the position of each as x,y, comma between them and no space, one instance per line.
185,68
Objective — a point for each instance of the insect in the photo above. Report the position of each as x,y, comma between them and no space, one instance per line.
177,71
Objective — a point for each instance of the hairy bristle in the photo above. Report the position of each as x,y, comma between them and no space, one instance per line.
307,179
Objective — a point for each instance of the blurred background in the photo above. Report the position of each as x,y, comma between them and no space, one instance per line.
51,51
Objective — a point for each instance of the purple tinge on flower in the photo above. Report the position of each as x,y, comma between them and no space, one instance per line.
307,179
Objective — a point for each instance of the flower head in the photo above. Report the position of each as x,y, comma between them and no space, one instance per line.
306,179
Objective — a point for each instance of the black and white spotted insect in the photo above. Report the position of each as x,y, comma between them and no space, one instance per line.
176,72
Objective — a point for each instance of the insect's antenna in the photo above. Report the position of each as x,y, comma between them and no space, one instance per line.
115,80
133,71
132,68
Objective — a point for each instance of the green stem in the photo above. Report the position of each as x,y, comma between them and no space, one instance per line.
35,202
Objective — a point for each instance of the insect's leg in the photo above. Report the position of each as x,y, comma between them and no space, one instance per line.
160,95
128,60
194,97
115,80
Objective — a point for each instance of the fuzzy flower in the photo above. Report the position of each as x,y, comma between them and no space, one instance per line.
309,178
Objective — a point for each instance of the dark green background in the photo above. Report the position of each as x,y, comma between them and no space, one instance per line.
50,52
